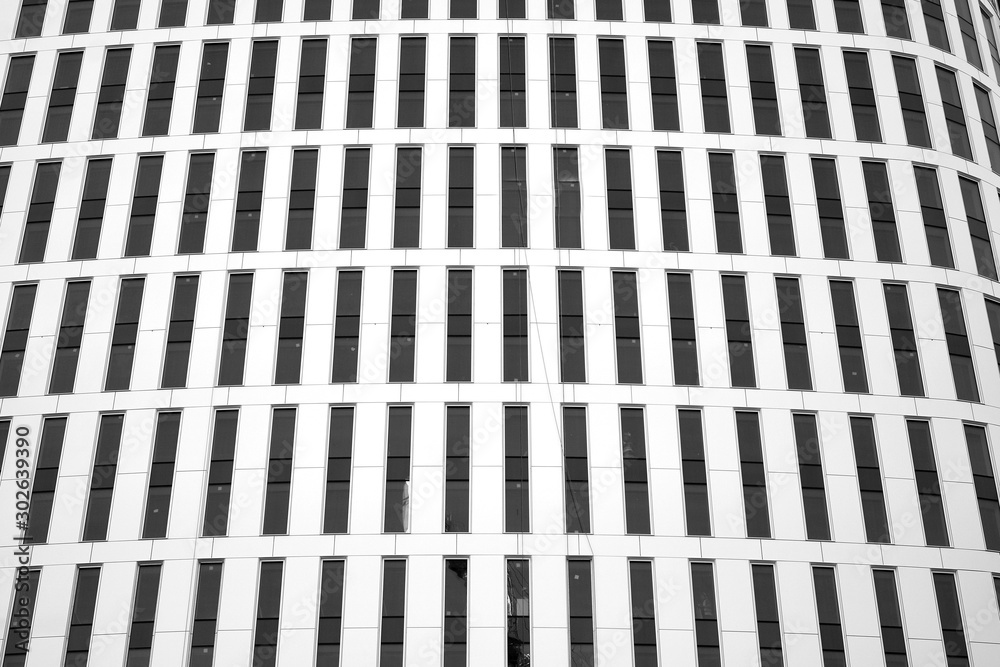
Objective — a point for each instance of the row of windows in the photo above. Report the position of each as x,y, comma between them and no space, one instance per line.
580,602
576,472
462,94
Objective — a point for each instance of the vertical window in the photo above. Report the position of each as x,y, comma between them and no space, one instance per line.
559,9
456,611
221,12
762,90
145,197
962,367
21,612
456,486
365,10
354,202
459,354
43,488
331,612
656,11
614,86
979,228
894,16
562,81
412,76
991,39
265,636
952,624
793,334
172,13
124,335
291,327
812,90
765,594
937,33
706,615
393,613
928,483
754,475
705,11
879,193
663,83
312,75
696,508
780,230
567,197
249,199
92,204
989,125
864,108
800,15
518,611
413,9
102,482
831,634
15,95
633,425
830,209
211,86
714,99
462,9
644,629
67,352
268,11
515,325
461,197
260,87
849,341
968,27
31,18
621,219
161,475
628,345
572,330
81,620
517,505
112,94
347,327
725,203
992,313
4,179
140,638
807,448
753,13
302,199
197,195
911,101
338,469
904,342
986,485
577,472
954,114
513,80
935,220
36,224
889,617
206,612
161,91
738,331
403,326
581,612
513,197
673,209
220,473
317,10
682,329
848,16
406,222
180,331
15,339
609,10
462,81
62,98
397,469
869,479
236,329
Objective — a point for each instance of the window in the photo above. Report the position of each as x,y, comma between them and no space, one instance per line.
986,485
894,16
91,216
515,325
870,479
15,339
354,203
904,342
849,341
576,470
800,15
762,89
633,426
312,75
302,199
609,10
403,326
559,9
221,12
413,9
140,639
265,644
249,198
236,329
991,38
124,335
614,87
937,33
112,94
950,613
706,615
962,367
656,11
663,84
397,469
31,18
462,81
911,101
778,206
581,612
338,469
628,345
572,330
793,334
43,487
67,352
220,473
260,87
754,476
696,508
682,329
102,482
643,613
393,613
211,86
15,96
406,223
978,228
161,91
562,81
807,447
365,10
461,197
197,196
890,619
714,100
206,612
144,201
517,505
880,207
935,220
347,327
412,76
831,211
172,13
989,125
753,13
765,596
459,354
21,612
567,197
864,108
456,486
831,634
513,197
511,9
738,331
36,224
621,219
513,80
462,9
268,11
725,203
705,11
673,209
180,331
848,16
331,612
518,611
291,327
968,28
161,475
81,620
928,484
954,114
456,611
62,98
812,90
4,179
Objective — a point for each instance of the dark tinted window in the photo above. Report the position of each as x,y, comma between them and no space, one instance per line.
236,329
753,13
518,604
406,222
62,98
15,339
30,20
935,220
268,10
124,335
249,199
890,620
102,481
410,112
614,85
40,207
911,101
765,596
15,95
706,614
160,95
754,476
277,492
140,639
697,512
513,81
517,500
562,81
92,205
462,82
260,87
800,15
989,125
863,106
302,199
780,229
952,624
566,169
340,445
220,12
581,612
461,197
354,201
513,197
979,228
928,484
714,100
793,334
849,342
962,367
365,10
331,611
206,612
663,84
112,94
459,353
869,479
904,342
515,325
812,90
705,11
291,327
633,429
211,85
145,197
643,612
879,191
45,474
725,203
347,327
312,75
67,352
848,16
456,610
831,210
621,219
172,13
572,330
456,489
81,619
682,328
220,473
265,636
954,114
937,33
576,469
811,476
397,469
628,345
986,486
831,634
763,93
673,208
738,331
180,331
197,196
403,326
894,16
161,475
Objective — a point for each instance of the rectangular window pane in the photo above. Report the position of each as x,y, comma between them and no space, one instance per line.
517,506
15,95
705,11
518,611
831,210
67,352
268,11
567,197
459,335
92,204
954,114
576,469
952,624
140,640
102,483
220,12
989,125
15,338
236,330
643,614
633,429
331,612
211,86
206,612
738,331
365,10
406,222
260,87
291,327
161,475
768,618
277,491
849,341
265,644
397,469
609,10
673,208
937,33
870,479
145,198
456,611
864,108
160,96
894,16
935,221
763,92
911,101
412,75
693,470
581,612
462,82
754,475
302,199
572,329
848,16
979,228
812,90
800,15
682,329
811,476
403,326
831,635
40,207
714,98
354,201
957,338
340,445
515,325
172,13
928,483
706,614
991,39
753,13
663,82
986,486
559,9
461,197
46,473
347,327
112,94
249,199
197,196
393,613
220,473
793,334
513,77
312,76
628,344
124,335
513,197
457,451
180,331
81,619
780,229
890,619
562,80
621,218
879,191
62,98
725,203
614,86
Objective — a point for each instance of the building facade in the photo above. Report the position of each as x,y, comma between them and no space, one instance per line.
517,332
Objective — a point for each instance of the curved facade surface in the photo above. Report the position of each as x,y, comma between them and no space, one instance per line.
458,332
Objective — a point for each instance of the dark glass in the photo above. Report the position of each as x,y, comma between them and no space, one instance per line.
954,114
706,615
831,635
937,33
338,469
393,613
43,486
462,82
62,98
459,335
800,15
682,329
124,335
870,480
412,75
354,201
291,327
879,191
365,10
566,165
518,612
211,86
562,81
81,619
697,513
302,199
331,611
614,85
628,343
765,596
985,483
989,125
848,16
673,208
406,220
864,108
957,338
513,197
172,13
979,228
347,327
67,352
461,197
160,96
161,475
581,612
463,9
265,644
268,11
663,84
738,331
220,12
456,611
180,331
403,326
140,637
260,87
517,501
397,469
30,20
849,341
890,620
92,204
811,476
911,101
197,196
40,207
793,334
145,198
831,210
725,203
572,328
967,26
102,481
413,9
220,473
609,10
928,483
714,98
236,330
515,325
894,16
15,96
935,221
457,452
312,75
15,339
559,9
206,613
112,94
952,625
656,11
780,228
754,476
753,13
633,430
812,90
249,200
576,469
643,614
763,93
621,217
904,342
705,11
513,79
